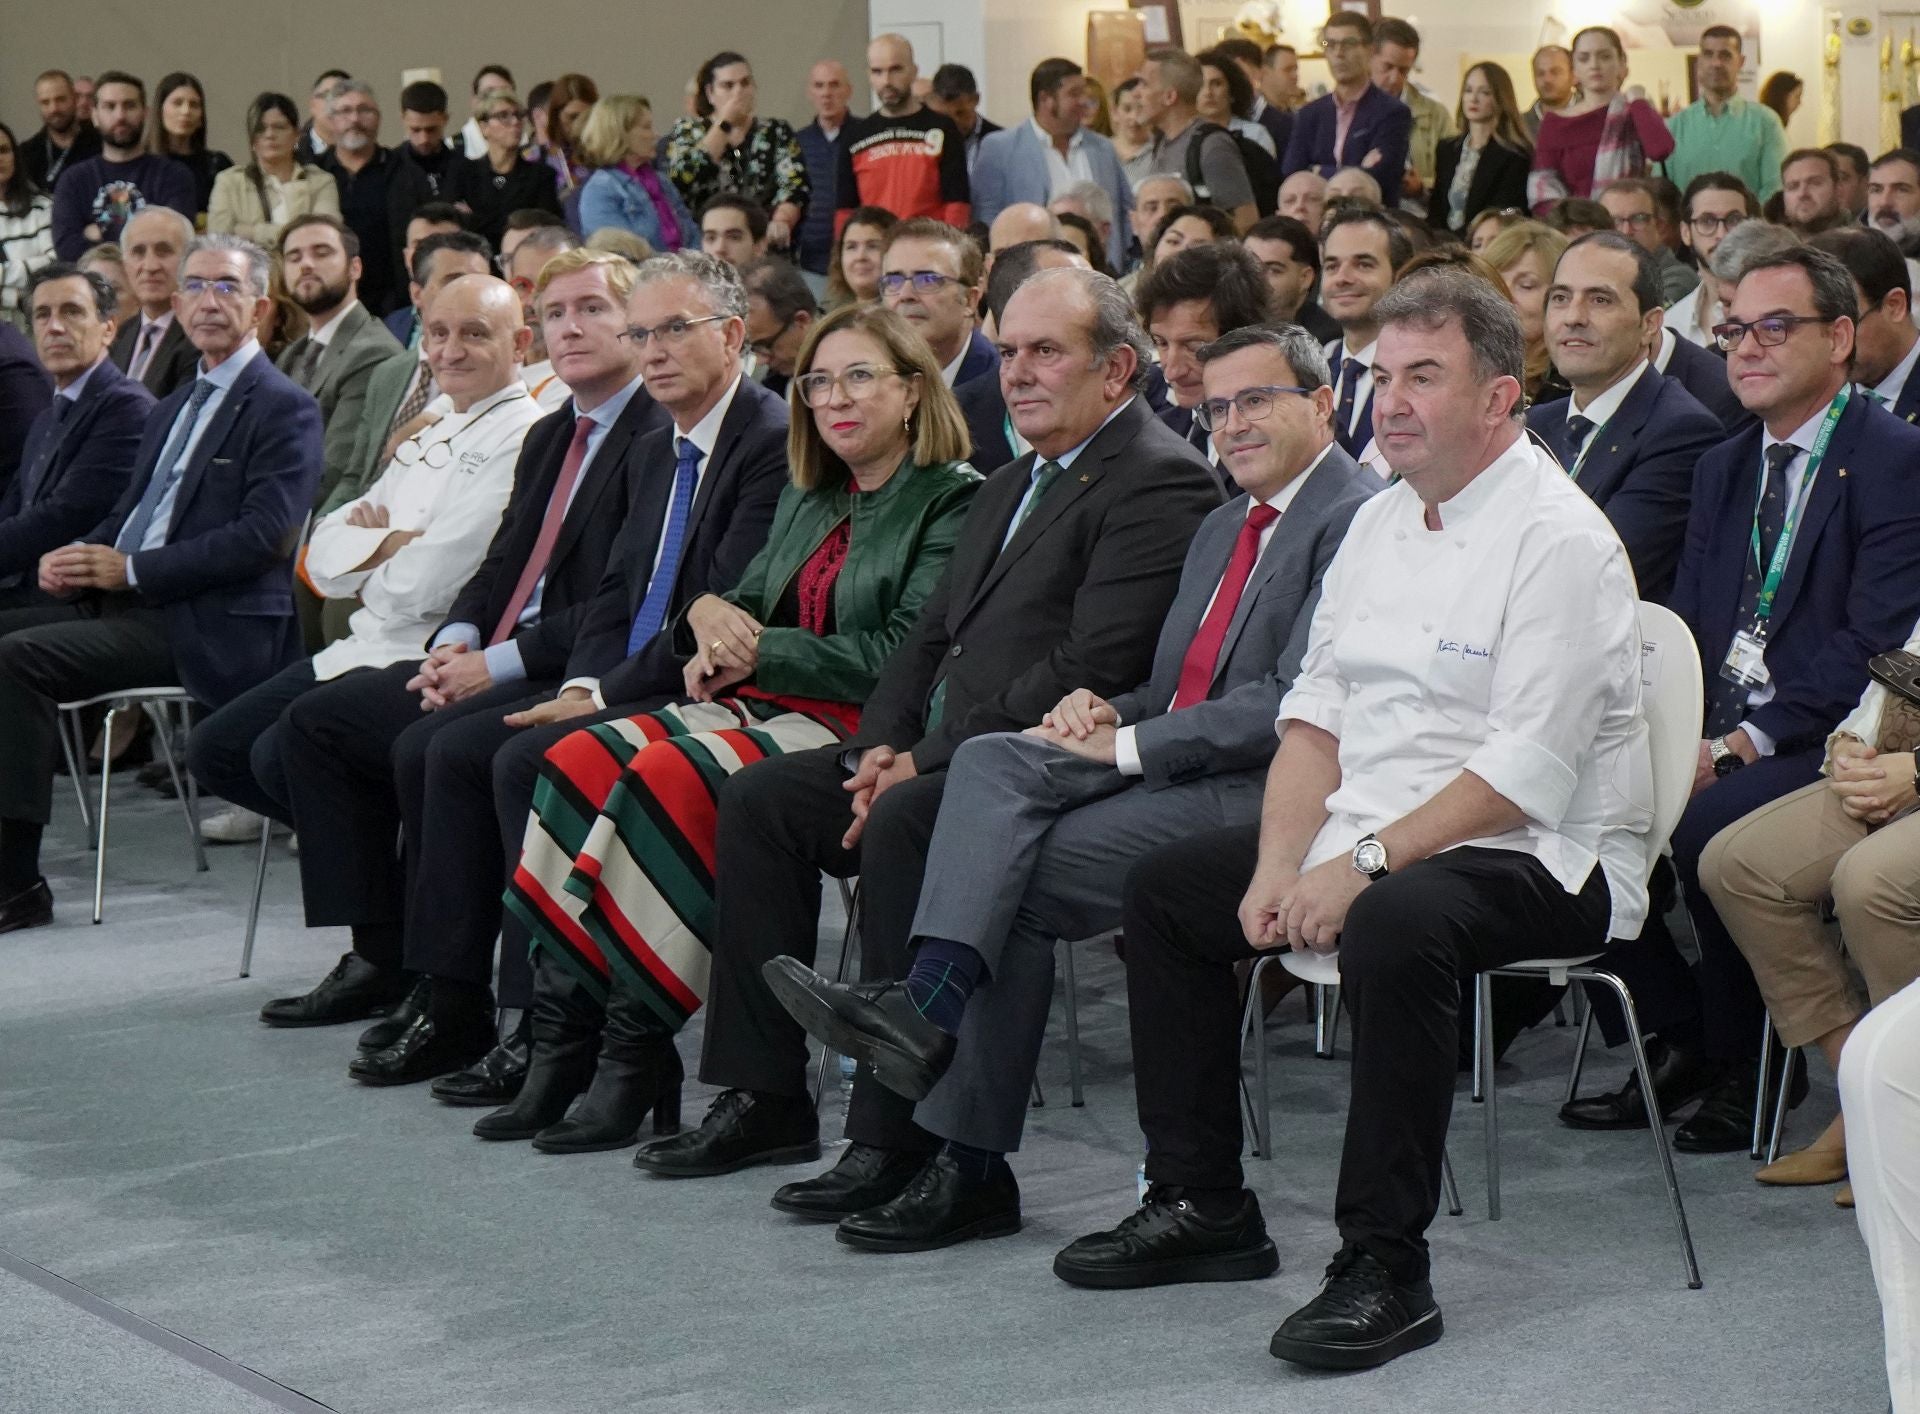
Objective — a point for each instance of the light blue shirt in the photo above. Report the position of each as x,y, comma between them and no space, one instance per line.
223,378
78,386
1063,461
504,663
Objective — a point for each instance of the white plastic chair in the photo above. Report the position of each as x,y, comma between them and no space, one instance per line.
1672,696
161,703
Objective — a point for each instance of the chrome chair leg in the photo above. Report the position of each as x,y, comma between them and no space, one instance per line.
188,796
1039,1099
1761,1083
849,941
1454,1209
69,727
100,820
259,888
1483,1051
1073,1025
1580,1045
1787,1063
1645,1073
1333,1023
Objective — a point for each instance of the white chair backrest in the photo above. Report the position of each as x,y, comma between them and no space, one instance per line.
1673,694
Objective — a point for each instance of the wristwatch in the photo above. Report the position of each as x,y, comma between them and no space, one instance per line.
1723,757
1370,857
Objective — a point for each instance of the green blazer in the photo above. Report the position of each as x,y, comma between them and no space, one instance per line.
902,536
358,347
386,386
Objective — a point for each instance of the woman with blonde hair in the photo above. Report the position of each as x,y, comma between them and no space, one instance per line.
628,189
1524,254
259,199
1485,166
615,880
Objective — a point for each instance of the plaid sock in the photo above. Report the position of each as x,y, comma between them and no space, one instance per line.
941,979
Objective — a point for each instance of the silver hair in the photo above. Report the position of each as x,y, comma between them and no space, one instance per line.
259,263
1114,320
183,226
552,239
1301,350
1746,243
718,281
346,86
1433,298
1091,195
1186,187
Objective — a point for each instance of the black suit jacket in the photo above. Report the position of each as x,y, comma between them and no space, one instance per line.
172,364
224,577
1906,407
1639,469
732,512
1075,599
587,533
25,392
1703,373
92,457
1499,181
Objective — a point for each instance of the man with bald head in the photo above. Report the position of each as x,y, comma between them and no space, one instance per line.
829,90
1021,222
406,547
905,158
1303,196
153,350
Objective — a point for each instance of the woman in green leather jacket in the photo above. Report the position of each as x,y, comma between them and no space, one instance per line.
615,878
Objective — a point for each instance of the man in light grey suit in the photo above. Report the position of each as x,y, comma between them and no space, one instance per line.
1041,158
1037,829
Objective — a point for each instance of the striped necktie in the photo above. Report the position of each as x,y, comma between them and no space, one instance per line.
653,608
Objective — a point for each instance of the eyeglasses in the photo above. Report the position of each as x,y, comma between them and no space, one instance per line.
1255,404
194,286
861,381
1329,45
413,451
923,281
1769,333
763,348
1709,223
516,114
1637,221
672,332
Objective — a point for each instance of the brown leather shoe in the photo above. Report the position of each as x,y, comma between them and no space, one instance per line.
1805,1168
1844,1198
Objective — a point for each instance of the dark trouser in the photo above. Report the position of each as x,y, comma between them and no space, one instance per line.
51,654
465,780
1409,940
781,821
235,753
1716,1004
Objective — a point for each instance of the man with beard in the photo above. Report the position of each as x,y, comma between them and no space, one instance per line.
320,261
361,167
63,137
423,163
905,158
1810,188
95,199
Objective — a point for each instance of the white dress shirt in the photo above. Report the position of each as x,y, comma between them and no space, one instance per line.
1895,383
1507,644
1664,354
1126,751
1063,172
1363,389
1600,412
457,507
545,385
952,370
1694,314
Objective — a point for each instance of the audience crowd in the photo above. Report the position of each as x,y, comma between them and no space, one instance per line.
1192,511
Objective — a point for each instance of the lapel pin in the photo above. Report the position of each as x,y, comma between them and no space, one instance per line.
1084,478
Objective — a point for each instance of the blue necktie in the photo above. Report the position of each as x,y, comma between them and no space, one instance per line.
653,609
1350,371
165,471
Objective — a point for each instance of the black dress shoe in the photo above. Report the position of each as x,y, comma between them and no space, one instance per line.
1361,1318
1679,1078
865,1177
32,907
1168,1240
943,1205
495,1079
1724,1121
742,1128
399,1017
353,991
428,1048
870,1021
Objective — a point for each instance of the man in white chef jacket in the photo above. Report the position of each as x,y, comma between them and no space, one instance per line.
1462,781
407,546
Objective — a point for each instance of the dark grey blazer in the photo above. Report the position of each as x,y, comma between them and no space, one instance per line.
1233,729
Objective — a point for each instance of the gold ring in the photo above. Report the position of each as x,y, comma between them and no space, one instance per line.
715,646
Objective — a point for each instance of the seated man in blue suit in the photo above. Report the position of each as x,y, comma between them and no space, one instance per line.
1039,159
930,277
77,454
1376,128
1886,345
1038,829
1627,436
189,579
1801,562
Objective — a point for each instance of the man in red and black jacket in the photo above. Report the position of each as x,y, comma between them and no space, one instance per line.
904,156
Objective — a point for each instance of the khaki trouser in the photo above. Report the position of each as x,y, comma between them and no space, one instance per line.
1767,874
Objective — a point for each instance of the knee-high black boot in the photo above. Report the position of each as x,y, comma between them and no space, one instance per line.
566,1024
639,1072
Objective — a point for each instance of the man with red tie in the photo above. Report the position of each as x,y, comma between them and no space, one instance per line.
1037,829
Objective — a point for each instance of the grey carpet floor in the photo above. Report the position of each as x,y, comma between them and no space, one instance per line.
162,1150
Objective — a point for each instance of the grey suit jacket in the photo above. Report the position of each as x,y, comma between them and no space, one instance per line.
386,387
1266,639
359,346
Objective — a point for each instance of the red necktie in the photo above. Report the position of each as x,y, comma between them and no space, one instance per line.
1203,654
549,532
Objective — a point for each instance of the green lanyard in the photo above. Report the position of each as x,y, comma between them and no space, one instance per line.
1593,440
1777,566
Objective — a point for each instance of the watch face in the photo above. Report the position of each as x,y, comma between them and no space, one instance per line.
1370,856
